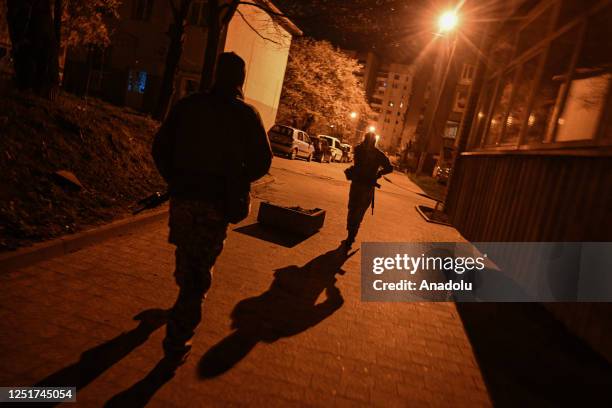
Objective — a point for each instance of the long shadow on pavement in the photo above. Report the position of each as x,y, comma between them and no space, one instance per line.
97,360
527,358
139,394
287,308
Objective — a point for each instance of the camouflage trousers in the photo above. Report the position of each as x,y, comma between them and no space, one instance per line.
360,198
198,229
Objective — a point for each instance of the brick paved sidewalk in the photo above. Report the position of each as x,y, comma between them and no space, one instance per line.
71,319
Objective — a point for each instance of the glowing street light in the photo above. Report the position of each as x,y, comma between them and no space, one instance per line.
448,21
372,128
353,115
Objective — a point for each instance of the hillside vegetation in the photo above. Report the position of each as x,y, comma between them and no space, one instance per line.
106,147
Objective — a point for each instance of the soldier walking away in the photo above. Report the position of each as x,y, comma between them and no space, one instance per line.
370,165
209,150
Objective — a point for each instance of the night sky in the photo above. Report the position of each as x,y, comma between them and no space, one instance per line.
396,29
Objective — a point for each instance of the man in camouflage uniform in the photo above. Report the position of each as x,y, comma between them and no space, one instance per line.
206,140
370,165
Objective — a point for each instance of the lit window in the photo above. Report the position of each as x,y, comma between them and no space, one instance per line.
137,81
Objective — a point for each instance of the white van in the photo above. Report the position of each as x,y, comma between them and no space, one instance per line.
334,147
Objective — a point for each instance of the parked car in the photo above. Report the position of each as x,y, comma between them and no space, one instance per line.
322,150
442,172
290,142
334,147
347,153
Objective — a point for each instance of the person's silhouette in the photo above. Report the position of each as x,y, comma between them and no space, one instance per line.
287,308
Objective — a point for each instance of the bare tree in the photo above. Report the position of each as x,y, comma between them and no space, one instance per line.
35,46
37,28
176,32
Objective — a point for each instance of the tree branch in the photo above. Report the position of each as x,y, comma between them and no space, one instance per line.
262,7
255,30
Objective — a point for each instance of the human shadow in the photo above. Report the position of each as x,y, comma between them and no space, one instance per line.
97,360
287,308
140,393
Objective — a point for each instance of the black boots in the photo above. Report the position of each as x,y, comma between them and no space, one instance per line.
350,240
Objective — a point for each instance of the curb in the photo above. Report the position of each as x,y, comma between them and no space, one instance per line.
61,246
39,252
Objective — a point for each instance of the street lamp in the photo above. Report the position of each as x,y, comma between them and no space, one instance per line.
353,115
448,21
372,128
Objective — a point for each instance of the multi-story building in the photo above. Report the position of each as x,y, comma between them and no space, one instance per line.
129,72
369,64
387,87
441,85
390,100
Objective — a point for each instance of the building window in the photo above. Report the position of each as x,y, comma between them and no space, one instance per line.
538,98
450,131
137,81
589,87
518,106
396,76
142,10
197,13
551,84
461,96
534,31
498,118
467,72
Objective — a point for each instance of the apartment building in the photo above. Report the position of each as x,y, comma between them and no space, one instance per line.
129,72
390,100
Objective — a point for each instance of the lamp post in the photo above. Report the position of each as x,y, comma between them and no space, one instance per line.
447,24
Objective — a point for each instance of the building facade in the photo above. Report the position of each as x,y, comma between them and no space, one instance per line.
129,72
535,149
389,100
